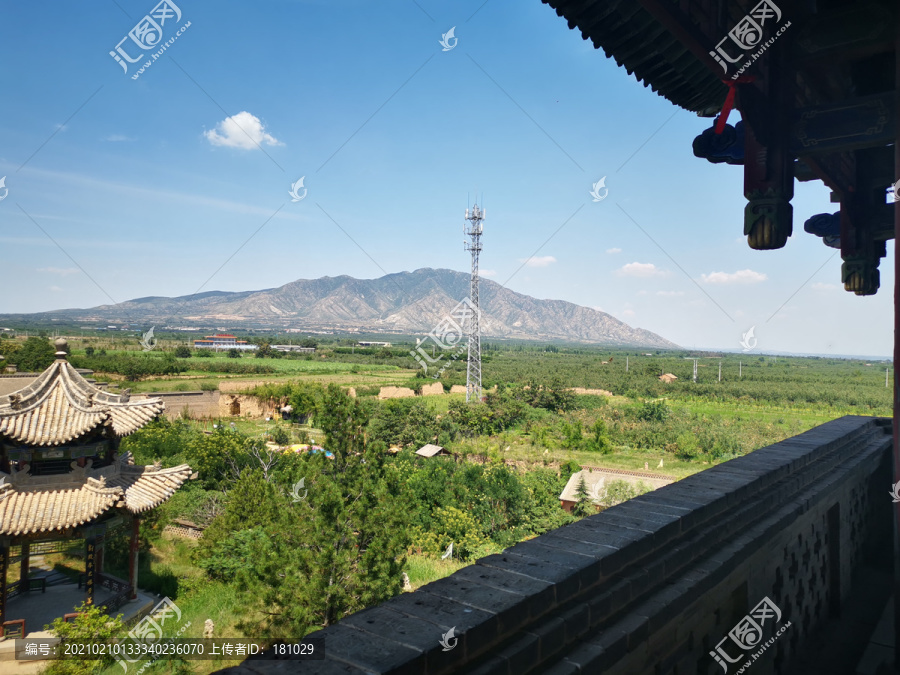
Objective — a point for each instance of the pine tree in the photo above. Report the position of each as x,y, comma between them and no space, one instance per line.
585,505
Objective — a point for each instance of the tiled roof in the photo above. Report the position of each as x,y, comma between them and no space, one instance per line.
32,504
60,406
48,510
638,42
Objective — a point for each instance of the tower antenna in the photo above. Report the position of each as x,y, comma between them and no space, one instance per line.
473,230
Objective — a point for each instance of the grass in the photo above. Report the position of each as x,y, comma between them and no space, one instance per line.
423,569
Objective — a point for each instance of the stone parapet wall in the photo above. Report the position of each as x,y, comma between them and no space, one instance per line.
652,585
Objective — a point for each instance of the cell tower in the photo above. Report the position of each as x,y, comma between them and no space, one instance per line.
473,230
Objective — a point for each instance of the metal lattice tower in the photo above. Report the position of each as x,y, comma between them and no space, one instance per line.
473,230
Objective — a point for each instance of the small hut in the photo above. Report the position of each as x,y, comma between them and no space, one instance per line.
430,450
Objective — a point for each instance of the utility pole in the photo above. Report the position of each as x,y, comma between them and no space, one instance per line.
720,371
473,230
690,358
626,364
740,370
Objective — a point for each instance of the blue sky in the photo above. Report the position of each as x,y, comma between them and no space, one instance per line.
147,187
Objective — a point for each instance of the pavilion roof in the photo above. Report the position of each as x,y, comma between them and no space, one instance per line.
61,406
36,504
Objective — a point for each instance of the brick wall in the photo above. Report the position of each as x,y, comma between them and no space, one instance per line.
652,585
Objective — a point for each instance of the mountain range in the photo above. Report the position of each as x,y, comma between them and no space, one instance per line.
409,303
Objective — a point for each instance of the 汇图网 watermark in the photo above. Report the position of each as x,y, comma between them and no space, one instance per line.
148,342
151,628
747,634
748,339
447,335
747,35
448,640
148,34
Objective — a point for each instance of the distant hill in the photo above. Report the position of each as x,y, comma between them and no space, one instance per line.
406,302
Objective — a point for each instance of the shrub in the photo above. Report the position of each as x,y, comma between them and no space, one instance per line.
451,525
598,441
653,411
91,624
568,468
280,436
183,352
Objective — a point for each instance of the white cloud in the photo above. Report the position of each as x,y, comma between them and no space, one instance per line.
613,250
118,138
488,273
819,286
538,261
739,277
243,131
637,269
669,294
62,271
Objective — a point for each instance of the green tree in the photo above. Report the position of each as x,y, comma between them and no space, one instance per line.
183,352
234,353
89,351
35,355
599,441
584,505
573,435
330,548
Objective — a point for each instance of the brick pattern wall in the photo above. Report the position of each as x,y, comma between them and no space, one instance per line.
652,585
182,531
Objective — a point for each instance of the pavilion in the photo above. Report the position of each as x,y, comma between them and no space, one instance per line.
62,479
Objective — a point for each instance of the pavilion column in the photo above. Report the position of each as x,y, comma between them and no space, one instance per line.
90,569
101,547
133,555
26,562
